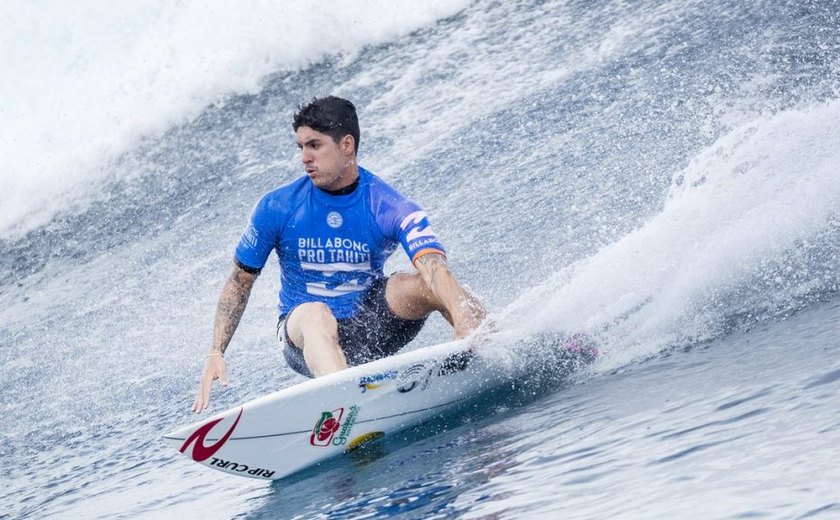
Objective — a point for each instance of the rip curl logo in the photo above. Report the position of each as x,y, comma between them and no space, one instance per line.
334,219
325,428
202,452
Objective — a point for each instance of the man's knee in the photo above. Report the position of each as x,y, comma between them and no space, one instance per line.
407,283
313,318
316,312
408,297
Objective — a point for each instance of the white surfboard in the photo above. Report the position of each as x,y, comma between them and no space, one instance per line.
294,428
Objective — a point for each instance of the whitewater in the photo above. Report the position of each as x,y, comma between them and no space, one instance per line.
662,177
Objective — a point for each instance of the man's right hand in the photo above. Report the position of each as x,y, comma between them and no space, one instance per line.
229,310
215,367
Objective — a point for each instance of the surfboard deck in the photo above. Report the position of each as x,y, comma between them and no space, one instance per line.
294,428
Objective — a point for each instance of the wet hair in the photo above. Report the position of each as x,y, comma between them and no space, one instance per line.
329,115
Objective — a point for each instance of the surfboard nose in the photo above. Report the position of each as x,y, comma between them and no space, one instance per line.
176,438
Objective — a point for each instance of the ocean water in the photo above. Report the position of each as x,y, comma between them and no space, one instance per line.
663,177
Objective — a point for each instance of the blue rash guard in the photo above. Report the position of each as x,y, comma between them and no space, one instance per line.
332,247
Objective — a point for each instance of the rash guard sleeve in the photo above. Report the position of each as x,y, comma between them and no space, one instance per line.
259,238
403,220
417,237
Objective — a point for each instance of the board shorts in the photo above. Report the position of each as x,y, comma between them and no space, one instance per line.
373,332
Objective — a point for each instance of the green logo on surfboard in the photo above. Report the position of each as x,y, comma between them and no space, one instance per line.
330,423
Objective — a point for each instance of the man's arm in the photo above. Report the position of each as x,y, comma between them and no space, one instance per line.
463,308
232,303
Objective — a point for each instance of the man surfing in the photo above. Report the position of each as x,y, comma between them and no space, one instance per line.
332,231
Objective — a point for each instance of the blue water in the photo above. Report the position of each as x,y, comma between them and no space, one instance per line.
663,178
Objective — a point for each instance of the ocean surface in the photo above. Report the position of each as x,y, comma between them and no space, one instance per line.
661,176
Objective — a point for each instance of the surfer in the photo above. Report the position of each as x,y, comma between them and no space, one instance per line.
332,231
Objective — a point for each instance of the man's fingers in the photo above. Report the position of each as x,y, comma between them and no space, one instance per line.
202,396
206,384
212,370
198,402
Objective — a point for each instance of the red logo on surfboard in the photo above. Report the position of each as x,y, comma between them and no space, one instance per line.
325,428
202,452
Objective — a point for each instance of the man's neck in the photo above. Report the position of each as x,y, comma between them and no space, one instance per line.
349,185
346,190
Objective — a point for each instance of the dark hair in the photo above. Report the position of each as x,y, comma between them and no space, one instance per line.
329,115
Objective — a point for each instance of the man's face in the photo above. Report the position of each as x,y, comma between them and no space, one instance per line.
330,165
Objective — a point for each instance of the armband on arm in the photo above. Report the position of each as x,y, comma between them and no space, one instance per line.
250,270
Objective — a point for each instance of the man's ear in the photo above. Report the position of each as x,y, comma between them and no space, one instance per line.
347,144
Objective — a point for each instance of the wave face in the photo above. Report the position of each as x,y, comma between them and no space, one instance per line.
658,177
87,83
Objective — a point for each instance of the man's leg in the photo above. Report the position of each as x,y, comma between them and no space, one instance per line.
313,329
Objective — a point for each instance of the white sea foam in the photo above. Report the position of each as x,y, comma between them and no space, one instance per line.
82,83
746,200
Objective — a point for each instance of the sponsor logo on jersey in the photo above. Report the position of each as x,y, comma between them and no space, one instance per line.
334,219
420,233
332,255
413,219
250,236
372,382
201,451
417,233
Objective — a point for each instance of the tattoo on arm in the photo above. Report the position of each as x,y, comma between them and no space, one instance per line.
232,303
431,263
